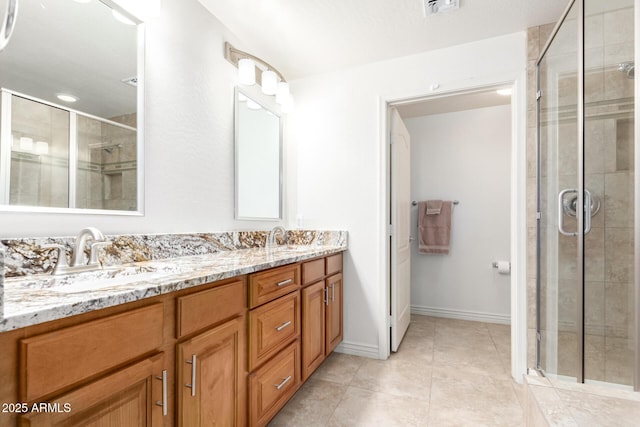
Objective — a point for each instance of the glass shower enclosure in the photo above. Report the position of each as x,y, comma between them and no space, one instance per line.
586,258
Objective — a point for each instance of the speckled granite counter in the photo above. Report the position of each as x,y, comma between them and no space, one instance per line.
37,298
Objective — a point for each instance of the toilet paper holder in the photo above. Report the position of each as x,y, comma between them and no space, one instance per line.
503,267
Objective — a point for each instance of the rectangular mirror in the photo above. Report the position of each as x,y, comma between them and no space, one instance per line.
71,109
258,158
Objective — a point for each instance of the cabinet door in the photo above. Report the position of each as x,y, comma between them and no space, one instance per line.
131,397
313,322
212,377
333,313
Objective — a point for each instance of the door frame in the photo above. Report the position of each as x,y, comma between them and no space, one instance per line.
518,210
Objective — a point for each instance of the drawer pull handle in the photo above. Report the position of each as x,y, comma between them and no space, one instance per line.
284,381
284,282
326,296
192,386
284,325
163,403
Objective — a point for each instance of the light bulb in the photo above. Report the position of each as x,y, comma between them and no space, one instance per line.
26,143
287,105
269,82
282,92
247,71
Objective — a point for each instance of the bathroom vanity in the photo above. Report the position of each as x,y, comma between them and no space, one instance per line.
201,345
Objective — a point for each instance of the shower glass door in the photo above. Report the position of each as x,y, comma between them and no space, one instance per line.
557,173
586,301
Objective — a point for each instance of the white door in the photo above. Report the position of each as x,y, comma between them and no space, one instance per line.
400,219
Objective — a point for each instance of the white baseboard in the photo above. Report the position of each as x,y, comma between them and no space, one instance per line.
358,349
461,314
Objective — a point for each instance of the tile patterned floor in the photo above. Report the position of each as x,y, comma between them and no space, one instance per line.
446,373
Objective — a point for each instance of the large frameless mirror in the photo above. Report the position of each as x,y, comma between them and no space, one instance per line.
258,155
71,110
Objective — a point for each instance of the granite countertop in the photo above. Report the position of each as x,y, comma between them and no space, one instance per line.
41,298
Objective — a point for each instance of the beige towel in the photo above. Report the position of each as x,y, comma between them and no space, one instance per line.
434,231
434,207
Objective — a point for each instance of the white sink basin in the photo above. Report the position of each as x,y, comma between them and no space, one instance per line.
104,279
88,285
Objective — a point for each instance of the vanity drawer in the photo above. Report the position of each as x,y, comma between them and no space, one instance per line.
55,360
273,326
271,284
312,271
196,311
334,263
271,386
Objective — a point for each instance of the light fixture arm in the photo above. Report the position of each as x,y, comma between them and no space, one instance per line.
233,55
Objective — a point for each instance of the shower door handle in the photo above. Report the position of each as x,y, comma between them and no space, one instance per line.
587,211
561,211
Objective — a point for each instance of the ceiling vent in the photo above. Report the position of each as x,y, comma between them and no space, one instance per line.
434,7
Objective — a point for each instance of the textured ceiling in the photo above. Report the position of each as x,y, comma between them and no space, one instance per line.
305,37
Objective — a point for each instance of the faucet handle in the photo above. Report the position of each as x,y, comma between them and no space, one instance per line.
93,255
61,263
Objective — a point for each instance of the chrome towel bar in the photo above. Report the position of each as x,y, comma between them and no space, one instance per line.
414,203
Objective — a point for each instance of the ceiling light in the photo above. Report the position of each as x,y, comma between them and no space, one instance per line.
247,71
66,97
504,92
271,80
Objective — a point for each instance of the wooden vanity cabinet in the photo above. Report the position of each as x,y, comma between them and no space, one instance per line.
96,373
132,396
274,341
229,353
211,367
211,377
322,319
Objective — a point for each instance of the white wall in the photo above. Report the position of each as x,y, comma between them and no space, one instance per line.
464,156
339,178
189,136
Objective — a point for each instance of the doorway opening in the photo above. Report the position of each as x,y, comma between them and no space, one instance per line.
459,151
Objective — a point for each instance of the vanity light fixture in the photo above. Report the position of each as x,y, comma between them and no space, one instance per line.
270,79
66,97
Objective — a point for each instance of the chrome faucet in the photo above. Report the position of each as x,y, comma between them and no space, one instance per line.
278,230
78,262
